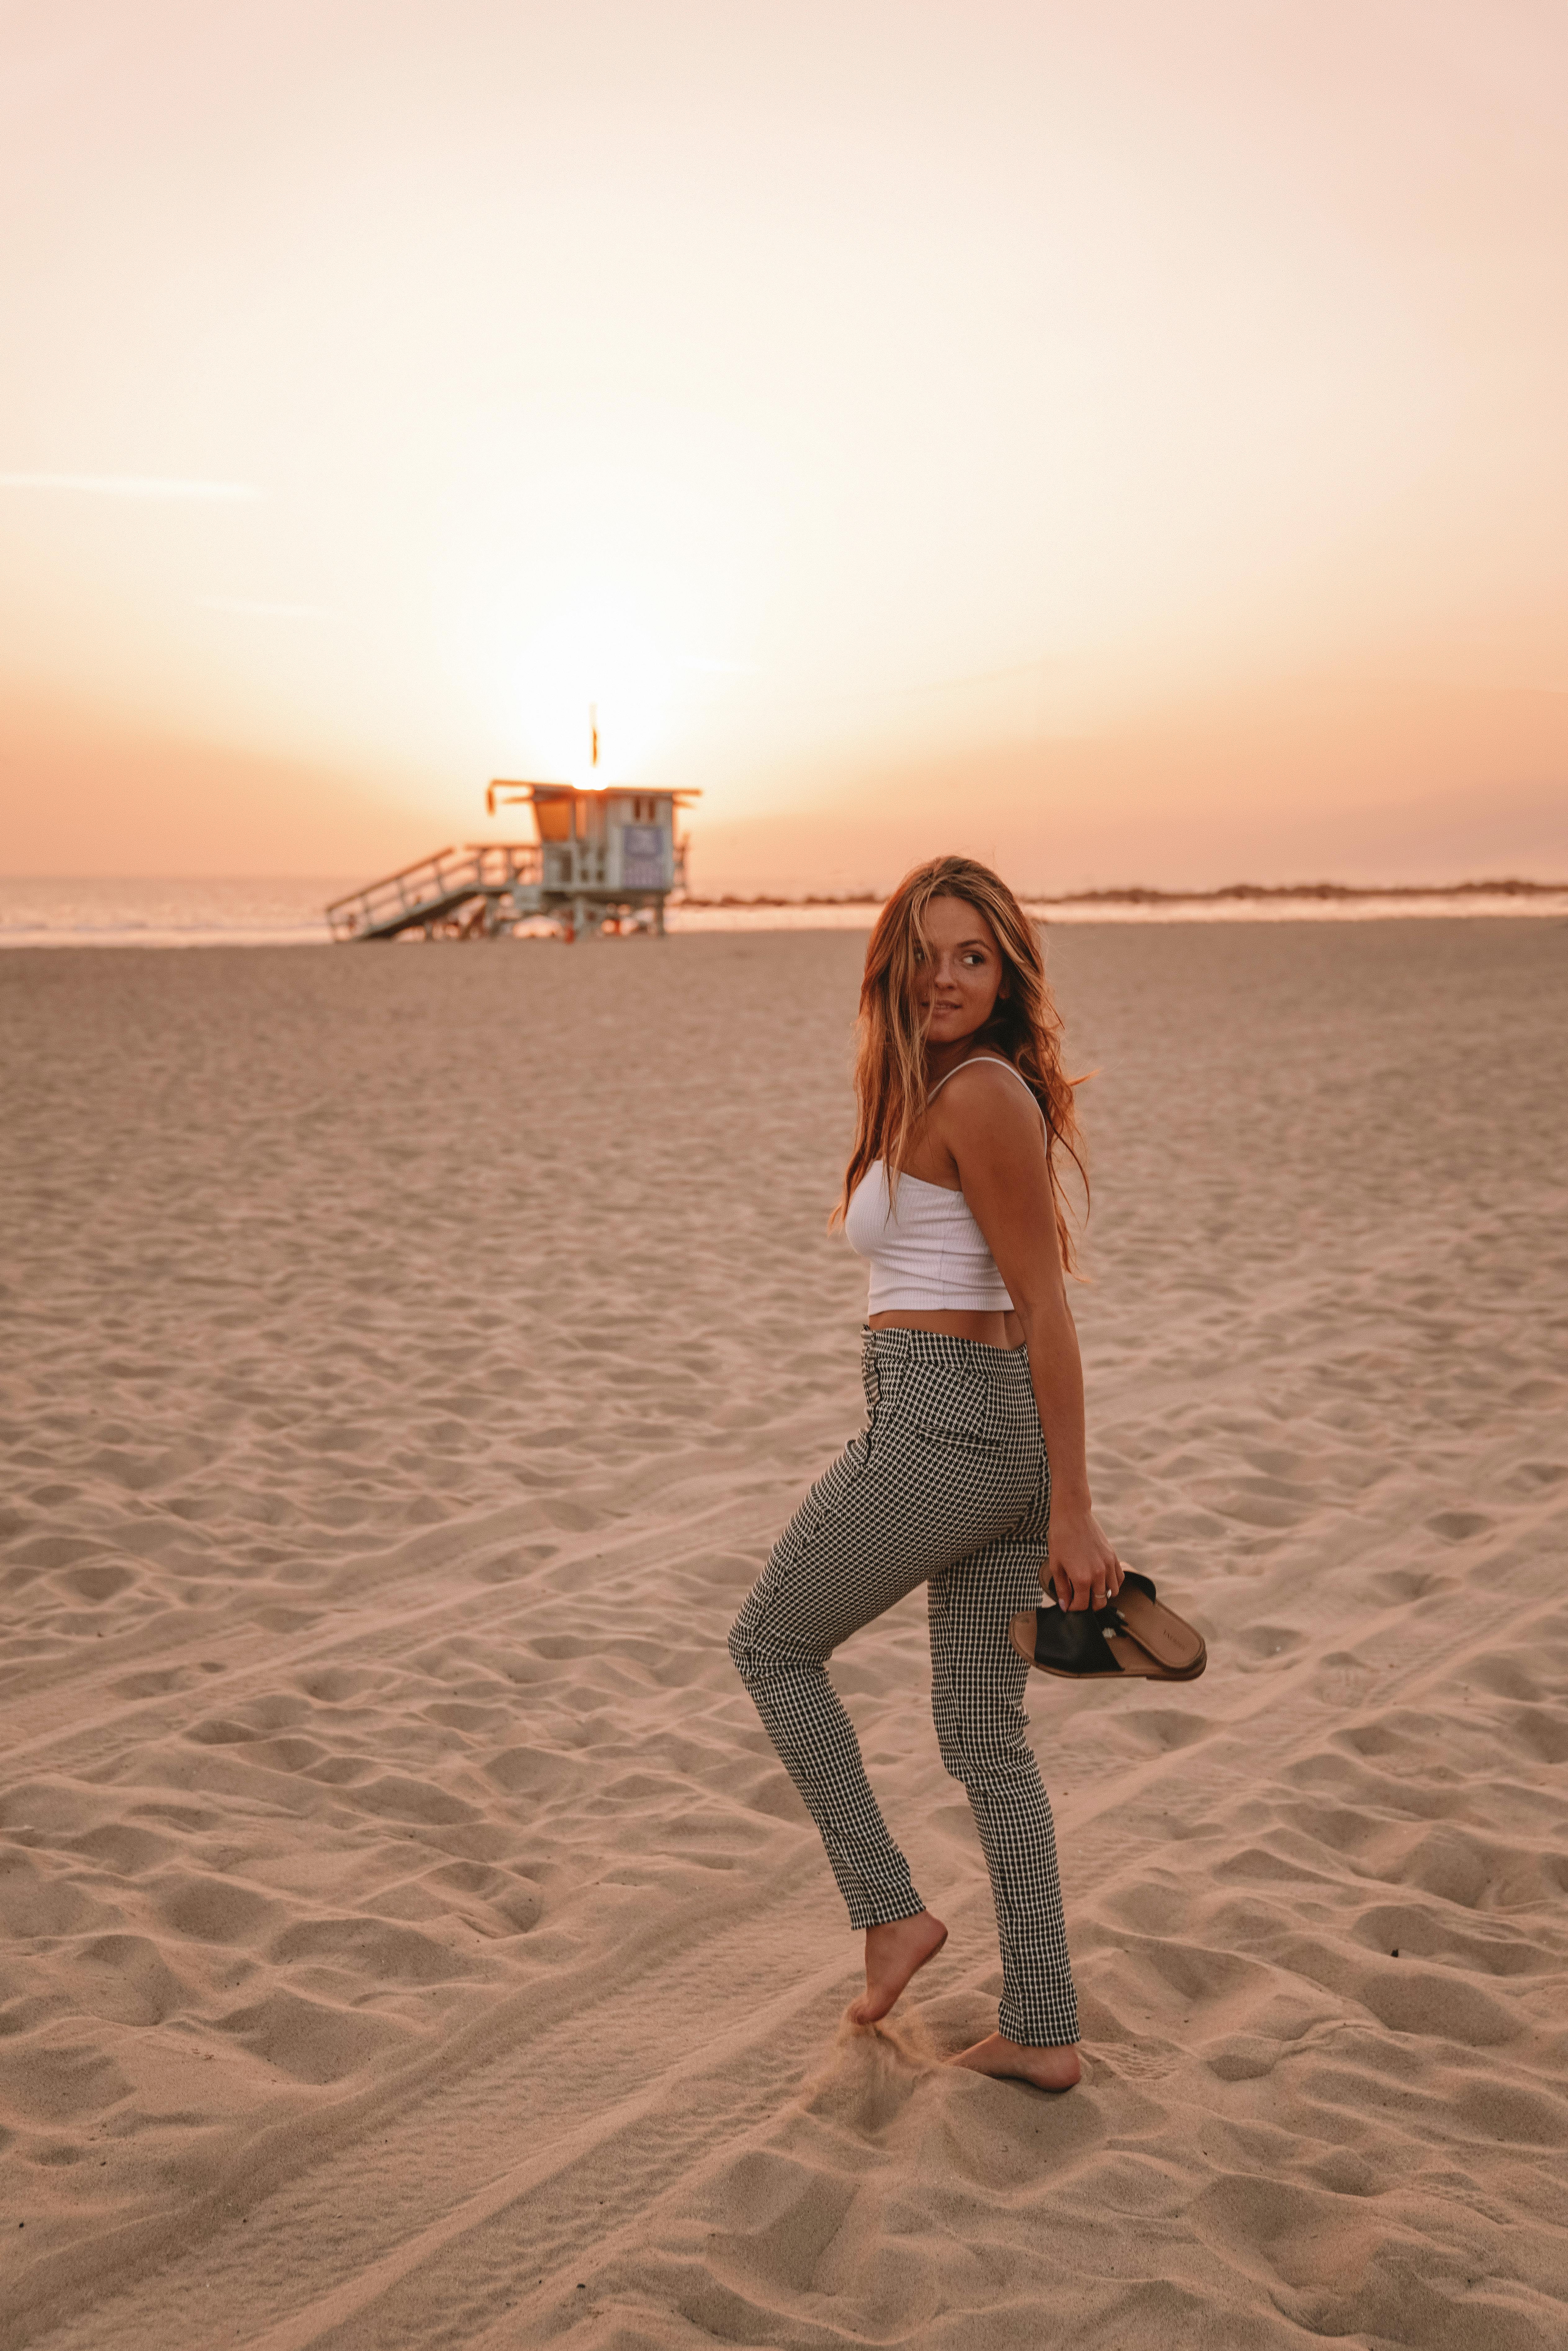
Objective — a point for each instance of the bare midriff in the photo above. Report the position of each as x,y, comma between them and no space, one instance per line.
985,1329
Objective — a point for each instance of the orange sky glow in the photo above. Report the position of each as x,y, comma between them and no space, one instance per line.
1125,441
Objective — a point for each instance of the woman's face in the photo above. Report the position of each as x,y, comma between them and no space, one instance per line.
959,979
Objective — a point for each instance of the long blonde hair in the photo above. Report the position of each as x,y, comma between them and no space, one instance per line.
891,1094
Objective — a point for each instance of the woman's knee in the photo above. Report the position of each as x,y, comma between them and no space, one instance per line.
983,1744
754,1648
743,1654
761,1651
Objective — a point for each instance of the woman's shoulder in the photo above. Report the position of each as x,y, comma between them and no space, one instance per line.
993,1071
987,1100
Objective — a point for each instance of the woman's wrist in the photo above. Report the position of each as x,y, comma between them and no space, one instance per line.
1070,1501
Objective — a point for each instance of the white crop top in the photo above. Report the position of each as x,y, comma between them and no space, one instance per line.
927,1254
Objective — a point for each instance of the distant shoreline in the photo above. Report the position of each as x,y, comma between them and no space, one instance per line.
62,915
1311,892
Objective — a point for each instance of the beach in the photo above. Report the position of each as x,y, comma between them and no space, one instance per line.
410,1939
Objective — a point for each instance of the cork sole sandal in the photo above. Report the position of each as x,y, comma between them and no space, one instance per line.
1135,1636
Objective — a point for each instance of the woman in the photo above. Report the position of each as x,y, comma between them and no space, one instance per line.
970,1476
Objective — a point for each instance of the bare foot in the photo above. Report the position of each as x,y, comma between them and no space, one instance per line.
1010,2061
892,1955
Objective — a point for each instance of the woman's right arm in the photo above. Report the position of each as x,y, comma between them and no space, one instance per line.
999,1152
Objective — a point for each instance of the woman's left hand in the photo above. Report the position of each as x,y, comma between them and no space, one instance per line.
1082,1566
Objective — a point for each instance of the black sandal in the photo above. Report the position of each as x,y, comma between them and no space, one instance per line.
1135,1636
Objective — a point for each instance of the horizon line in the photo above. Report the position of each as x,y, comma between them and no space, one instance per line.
1125,893
1138,894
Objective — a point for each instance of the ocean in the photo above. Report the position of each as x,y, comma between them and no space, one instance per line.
289,913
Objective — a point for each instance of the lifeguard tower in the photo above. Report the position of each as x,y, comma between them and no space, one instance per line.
605,858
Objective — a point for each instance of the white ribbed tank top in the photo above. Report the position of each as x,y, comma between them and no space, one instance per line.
927,1254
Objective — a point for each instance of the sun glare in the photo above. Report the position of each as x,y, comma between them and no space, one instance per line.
601,653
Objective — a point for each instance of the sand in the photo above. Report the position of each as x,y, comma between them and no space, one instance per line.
410,1938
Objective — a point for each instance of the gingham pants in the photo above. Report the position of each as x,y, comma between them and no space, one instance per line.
946,1486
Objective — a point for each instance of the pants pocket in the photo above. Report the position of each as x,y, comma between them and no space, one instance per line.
956,1412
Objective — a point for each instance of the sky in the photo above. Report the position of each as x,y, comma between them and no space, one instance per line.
1120,440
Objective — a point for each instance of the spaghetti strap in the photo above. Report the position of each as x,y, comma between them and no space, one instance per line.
1000,1063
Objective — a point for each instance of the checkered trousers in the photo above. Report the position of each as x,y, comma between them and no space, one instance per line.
946,1486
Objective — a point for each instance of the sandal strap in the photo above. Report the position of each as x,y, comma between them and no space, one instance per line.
1074,1640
